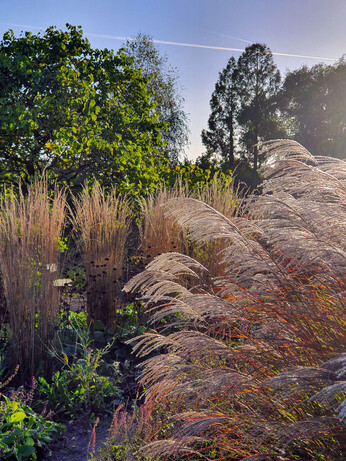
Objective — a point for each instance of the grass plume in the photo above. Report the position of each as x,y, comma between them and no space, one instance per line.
277,307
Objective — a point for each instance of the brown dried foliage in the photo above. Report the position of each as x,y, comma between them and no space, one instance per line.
159,233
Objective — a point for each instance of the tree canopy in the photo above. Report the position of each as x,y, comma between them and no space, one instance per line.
163,83
224,105
250,104
259,82
75,112
315,99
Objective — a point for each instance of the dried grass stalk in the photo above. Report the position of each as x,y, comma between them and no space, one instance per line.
30,228
159,234
279,304
104,224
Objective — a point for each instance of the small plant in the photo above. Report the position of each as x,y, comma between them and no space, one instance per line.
128,322
129,432
73,323
78,277
22,431
85,381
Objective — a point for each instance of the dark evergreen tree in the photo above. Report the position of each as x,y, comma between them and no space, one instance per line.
258,85
224,104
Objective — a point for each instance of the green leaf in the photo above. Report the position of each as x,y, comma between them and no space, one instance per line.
26,450
99,325
17,417
14,406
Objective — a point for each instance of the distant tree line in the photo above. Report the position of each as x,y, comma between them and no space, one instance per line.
80,114
251,103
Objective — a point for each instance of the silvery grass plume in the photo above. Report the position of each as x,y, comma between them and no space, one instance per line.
326,383
231,342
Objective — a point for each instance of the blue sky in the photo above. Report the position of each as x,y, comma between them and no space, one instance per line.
315,28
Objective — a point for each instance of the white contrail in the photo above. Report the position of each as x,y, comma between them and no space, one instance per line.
230,36
191,45
22,25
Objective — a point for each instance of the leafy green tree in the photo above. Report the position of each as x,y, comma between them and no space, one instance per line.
164,84
315,100
75,112
224,105
259,82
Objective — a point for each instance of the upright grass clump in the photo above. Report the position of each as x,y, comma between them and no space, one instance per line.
104,224
221,195
257,356
159,233
30,229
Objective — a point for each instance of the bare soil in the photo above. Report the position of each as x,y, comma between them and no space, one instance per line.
75,443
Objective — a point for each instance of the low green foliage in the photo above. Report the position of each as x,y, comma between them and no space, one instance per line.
78,277
128,322
22,431
82,383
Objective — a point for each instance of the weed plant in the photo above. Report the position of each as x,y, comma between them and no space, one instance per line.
30,229
257,356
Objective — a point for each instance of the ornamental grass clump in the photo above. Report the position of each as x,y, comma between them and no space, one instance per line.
159,233
223,197
257,355
103,222
30,230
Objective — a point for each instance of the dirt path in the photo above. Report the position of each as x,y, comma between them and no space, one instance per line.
75,444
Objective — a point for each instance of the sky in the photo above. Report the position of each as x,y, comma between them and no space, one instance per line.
216,29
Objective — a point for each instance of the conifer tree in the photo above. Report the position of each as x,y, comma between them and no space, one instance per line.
258,84
221,135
